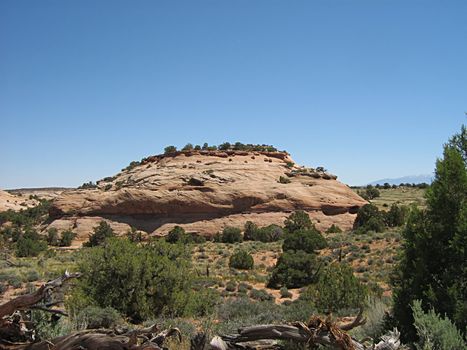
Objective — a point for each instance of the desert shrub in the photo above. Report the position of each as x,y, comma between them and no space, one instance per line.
294,269
284,180
370,193
231,286
395,216
249,231
260,294
100,234
30,244
140,281
11,278
187,147
369,218
27,217
241,260
231,235
374,224
175,235
67,238
87,185
308,240
270,233
31,276
97,317
134,235
336,288
52,236
376,319
130,166
334,229
178,234
196,303
285,293
224,146
170,149
434,331
298,220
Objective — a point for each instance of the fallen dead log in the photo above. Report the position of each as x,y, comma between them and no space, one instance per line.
315,332
100,339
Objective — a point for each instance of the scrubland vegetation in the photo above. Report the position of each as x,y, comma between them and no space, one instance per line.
403,263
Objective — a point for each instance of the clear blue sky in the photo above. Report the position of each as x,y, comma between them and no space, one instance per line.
368,89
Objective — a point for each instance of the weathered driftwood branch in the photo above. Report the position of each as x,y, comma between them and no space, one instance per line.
26,301
100,339
315,332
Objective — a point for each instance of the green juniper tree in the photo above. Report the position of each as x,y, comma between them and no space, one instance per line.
433,268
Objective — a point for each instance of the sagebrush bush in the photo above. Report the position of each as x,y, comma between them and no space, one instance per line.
96,317
260,294
434,331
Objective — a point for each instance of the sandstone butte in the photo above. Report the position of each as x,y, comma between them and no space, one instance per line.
205,191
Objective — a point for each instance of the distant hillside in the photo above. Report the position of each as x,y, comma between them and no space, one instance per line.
416,179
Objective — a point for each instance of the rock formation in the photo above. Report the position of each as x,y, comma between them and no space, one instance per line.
14,202
204,191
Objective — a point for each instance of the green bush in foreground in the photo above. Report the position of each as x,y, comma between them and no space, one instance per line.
93,317
140,281
433,266
241,260
435,332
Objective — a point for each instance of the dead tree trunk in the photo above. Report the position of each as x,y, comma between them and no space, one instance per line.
317,331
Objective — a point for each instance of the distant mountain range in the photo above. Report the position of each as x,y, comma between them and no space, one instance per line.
412,179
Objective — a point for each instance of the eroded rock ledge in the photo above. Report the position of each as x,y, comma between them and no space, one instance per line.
206,191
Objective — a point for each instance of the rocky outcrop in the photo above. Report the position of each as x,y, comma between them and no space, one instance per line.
15,202
205,191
